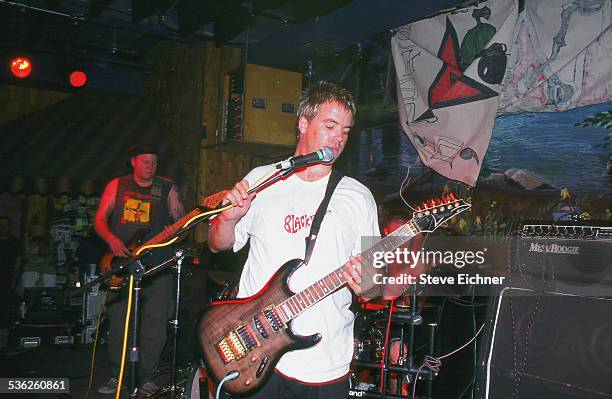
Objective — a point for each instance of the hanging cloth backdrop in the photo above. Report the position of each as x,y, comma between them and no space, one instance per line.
457,71
560,57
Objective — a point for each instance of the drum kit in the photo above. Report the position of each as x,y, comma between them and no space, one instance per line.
372,352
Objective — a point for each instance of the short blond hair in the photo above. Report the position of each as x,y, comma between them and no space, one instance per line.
324,92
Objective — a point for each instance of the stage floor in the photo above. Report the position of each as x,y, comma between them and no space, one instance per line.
73,363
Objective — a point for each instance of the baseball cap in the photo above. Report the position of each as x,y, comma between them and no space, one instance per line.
142,148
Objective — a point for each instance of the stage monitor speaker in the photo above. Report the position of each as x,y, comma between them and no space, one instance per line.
546,345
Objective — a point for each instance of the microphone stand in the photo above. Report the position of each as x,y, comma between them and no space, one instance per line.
175,322
137,270
173,388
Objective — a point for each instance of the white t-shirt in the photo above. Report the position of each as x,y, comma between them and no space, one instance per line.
277,223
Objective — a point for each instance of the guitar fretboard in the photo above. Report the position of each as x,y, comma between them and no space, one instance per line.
299,302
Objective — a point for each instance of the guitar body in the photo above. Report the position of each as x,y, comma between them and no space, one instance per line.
222,322
110,261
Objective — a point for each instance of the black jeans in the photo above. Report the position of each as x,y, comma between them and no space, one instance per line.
279,387
156,308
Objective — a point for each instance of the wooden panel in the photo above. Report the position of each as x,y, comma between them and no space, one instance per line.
218,62
175,93
275,86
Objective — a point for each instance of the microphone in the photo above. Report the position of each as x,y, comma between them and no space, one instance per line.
324,155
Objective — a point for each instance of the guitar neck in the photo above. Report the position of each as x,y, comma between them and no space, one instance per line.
210,206
299,302
176,226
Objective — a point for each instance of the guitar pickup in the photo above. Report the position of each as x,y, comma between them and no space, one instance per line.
260,327
247,337
273,319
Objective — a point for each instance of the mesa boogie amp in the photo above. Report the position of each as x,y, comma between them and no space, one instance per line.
548,331
568,257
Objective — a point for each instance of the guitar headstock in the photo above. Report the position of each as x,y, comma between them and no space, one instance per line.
437,211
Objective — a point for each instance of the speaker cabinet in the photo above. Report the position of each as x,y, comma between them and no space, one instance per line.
270,103
546,345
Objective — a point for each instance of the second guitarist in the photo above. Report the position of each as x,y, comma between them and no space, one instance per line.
128,205
276,223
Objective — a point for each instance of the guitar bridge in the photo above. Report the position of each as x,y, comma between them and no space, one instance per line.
236,344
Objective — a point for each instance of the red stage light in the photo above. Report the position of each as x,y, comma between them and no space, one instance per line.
78,79
21,67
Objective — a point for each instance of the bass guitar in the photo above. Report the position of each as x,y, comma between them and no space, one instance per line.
243,339
110,261
210,207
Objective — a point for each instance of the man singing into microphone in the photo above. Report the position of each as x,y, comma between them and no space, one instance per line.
278,220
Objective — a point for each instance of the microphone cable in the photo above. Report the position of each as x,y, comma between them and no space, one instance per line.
434,363
126,329
384,352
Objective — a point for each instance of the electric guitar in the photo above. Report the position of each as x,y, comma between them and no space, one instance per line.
109,260
210,207
243,339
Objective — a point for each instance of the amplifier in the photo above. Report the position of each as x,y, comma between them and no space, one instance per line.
546,346
586,230
548,334
34,335
568,257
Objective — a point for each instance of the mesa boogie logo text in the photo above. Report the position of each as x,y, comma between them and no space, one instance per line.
554,249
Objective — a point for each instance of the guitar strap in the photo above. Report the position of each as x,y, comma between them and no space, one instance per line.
334,179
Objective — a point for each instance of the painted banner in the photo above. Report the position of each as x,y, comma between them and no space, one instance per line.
560,57
457,71
450,70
